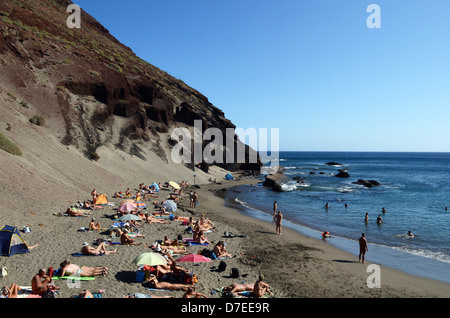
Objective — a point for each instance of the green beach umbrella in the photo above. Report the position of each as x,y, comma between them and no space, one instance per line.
150,259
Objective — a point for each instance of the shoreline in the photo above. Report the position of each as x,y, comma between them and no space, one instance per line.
395,283
386,255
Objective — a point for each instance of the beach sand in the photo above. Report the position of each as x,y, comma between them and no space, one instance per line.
50,177
294,266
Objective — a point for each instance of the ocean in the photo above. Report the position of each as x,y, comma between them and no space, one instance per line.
414,191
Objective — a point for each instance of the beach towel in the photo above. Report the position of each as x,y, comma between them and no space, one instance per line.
79,254
191,241
73,278
26,292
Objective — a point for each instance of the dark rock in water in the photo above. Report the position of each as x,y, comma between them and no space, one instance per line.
367,183
343,173
312,172
332,163
321,172
275,181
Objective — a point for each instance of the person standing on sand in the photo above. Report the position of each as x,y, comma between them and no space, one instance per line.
363,248
278,219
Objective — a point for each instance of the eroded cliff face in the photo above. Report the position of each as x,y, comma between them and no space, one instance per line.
91,89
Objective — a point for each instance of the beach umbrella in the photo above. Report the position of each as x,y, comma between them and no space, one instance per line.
193,258
174,185
170,205
127,206
129,217
150,259
141,205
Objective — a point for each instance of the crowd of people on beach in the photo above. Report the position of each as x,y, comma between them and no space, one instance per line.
170,276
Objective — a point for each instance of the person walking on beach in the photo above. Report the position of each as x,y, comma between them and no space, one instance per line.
363,248
278,219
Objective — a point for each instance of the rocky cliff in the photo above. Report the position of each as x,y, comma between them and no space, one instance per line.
91,90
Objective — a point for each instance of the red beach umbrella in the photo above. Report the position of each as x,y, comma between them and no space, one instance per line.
193,258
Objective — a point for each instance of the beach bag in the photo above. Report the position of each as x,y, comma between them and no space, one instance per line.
212,255
4,272
227,294
205,252
50,272
235,273
222,266
190,279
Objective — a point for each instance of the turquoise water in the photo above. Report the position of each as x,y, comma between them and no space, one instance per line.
414,191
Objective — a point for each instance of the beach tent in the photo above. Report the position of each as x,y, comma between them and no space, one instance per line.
229,177
11,242
170,205
101,199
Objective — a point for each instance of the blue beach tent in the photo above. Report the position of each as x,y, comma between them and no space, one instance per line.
11,242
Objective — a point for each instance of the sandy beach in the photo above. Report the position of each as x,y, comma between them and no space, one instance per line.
294,266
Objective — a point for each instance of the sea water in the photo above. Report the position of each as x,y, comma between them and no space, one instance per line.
414,191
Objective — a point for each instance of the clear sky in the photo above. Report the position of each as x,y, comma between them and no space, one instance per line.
311,68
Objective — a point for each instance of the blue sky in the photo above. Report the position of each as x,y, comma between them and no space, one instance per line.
312,69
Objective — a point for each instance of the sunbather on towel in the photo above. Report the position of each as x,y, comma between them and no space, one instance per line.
238,288
140,295
74,212
154,283
101,249
10,292
67,268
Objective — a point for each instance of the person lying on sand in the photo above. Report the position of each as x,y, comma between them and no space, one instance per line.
101,249
68,269
140,295
74,212
238,288
149,218
154,283
191,294
10,292
169,249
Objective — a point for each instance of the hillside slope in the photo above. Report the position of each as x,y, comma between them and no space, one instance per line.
106,114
